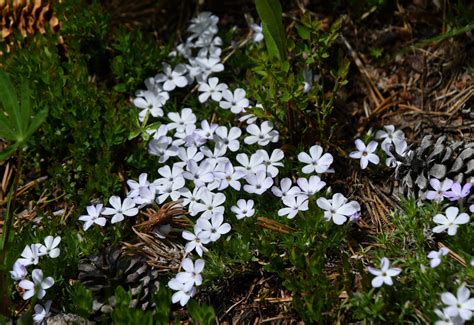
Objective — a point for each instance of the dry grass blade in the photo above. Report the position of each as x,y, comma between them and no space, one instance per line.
7,176
454,255
22,190
274,225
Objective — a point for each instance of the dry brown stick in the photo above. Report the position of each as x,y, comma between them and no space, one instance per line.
6,177
274,225
371,85
454,255
26,187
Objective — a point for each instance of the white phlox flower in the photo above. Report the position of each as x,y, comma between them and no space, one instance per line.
192,273
389,135
150,103
435,256
196,241
142,192
243,209
19,271
384,274
228,138
250,165
365,153
228,176
258,183
199,174
37,287
316,161
293,204
172,78
235,101
310,186
214,227
439,188
211,88
257,35
93,216
207,130
216,156
162,148
460,305
181,295
337,209
286,189
262,135
450,221
30,255
211,204
181,120
273,161
50,246
41,312
120,209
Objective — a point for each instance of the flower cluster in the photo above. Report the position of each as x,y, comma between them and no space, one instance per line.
36,285
202,160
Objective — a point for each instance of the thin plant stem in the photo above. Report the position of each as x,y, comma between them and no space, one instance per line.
10,212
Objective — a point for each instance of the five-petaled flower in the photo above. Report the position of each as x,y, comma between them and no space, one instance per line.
460,305
337,209
435,256
384,274
93,216
439,188
243,209
36,287
316,161
50,246
365,153
120,209
450,221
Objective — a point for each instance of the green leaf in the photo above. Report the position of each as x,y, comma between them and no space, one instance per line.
36,122
8,96
5,130
163,305
273,31
303,32
25,107
9,151
201,314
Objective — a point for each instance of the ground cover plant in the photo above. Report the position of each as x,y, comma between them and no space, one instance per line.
237,162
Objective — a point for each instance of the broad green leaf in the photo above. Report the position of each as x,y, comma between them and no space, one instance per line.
8,96
273,31
9,151
303,32
6,131
36,122
25,107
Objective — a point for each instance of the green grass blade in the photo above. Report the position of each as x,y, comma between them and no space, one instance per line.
270,12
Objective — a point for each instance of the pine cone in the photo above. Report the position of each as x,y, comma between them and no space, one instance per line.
103,272
26,16
435,160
